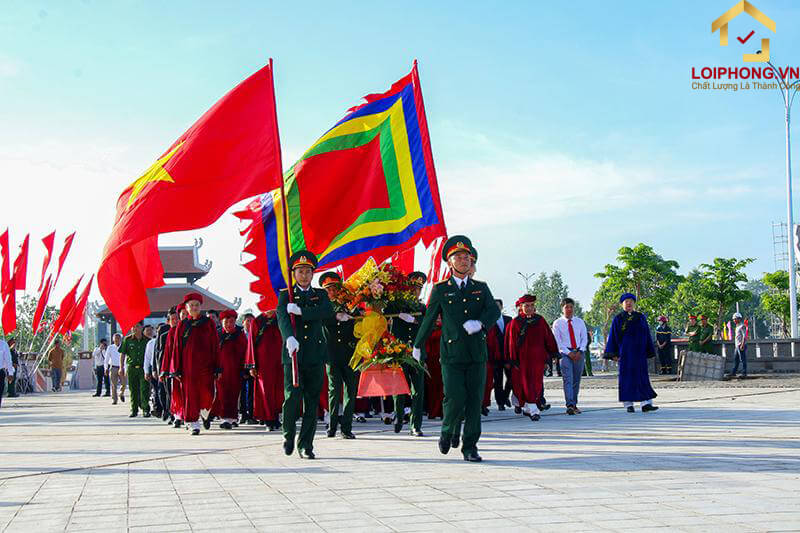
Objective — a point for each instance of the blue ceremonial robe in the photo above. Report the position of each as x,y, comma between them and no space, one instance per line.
630,340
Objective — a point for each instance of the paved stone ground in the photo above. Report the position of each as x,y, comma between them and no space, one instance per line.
712,459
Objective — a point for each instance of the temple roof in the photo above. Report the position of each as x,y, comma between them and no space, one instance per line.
162,298
183,261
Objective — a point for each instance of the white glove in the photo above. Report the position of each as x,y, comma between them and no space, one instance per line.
472,326
292,345
343,317
416,354
405,317
294,309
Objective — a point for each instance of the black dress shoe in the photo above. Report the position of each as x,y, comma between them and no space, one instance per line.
455,441
347,435
156,414
473,457
146,415
251,422
288,446
195,431
536,417
631,409
226,425
544,407
107,394
177,423
570,410
93,396
444,445
415,433
133,415
331,433
517,410
398,424
649,407
207,422
485,411
122,397
387,420
361,419
501,407
305,454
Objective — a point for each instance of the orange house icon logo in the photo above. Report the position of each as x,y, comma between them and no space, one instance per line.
744,6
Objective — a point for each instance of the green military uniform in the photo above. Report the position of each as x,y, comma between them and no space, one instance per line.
407,332
309,332
463,357
706,331
342,379
133,349
694,340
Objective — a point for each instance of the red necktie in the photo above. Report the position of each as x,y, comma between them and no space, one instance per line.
574,345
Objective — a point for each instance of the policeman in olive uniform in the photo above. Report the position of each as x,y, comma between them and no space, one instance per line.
693,332
310,309
132,350
405,328
705,336
342,379
468,311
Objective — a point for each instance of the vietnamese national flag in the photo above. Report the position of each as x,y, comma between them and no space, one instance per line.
21,265
44,296
48,241
65,308
63,256
231,153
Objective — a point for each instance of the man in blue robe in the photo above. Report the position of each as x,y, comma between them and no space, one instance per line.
630,344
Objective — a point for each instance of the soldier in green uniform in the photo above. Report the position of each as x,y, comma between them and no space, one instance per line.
342,379
405,327
705,335
693,332
306,340
468,311
132,350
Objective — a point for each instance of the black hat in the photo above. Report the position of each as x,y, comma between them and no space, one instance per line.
458,243
303,258
329,278
417,278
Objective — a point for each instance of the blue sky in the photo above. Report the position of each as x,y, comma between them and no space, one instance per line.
561,131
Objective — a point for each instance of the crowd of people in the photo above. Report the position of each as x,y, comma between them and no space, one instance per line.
272,369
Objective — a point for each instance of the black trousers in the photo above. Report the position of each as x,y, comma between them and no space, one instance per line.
159,396
100,374
502,392
2,385
665,358
246,397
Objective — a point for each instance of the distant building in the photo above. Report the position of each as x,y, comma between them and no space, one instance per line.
179,262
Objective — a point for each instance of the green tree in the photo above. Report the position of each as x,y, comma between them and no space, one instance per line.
26,340
646,274
605,304
549,291
776,300
719,285
687,299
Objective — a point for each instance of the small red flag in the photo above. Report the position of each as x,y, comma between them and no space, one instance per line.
9,318
21,265
231,153
63,256
5,273
404,260
48,242
41,305
67,303
76,316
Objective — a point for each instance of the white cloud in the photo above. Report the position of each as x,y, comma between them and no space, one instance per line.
9,67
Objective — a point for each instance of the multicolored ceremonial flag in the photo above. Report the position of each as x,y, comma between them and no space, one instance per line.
231,153
366,188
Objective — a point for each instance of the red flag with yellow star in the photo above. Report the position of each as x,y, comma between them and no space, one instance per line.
231,153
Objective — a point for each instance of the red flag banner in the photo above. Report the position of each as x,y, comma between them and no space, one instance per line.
67,303
48,242
9,318
63,256
231,153
41,305
21,265
5,272
76,315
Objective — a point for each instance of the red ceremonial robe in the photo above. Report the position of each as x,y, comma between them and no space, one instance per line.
232,351
197,359
169,367
434,388
266,361
529,342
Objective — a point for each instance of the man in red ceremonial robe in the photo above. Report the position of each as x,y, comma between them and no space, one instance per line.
265,365
173,384
434,388
529,344
197,363
232,352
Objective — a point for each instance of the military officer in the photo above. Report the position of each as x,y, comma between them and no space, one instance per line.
705,335
301,322
468,311
342,379
693,332
405,328
132,350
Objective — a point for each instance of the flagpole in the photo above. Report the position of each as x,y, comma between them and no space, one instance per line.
287,250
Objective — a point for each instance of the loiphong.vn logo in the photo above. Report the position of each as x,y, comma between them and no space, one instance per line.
744,6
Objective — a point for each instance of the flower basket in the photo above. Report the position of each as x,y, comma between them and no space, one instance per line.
380,380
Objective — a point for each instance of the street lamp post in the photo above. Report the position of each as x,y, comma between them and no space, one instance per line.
788,92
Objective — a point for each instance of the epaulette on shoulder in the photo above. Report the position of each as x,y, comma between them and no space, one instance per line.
284,289
443,281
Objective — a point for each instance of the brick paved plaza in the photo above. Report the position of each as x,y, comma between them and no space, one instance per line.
714,458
